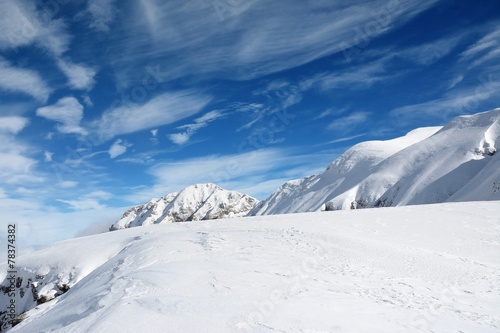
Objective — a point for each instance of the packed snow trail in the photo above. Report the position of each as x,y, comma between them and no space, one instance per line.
429,268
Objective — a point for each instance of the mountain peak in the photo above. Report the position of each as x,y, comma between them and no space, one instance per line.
456,162
193,203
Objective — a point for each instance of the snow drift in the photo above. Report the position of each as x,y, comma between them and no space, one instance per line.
194,203
456,162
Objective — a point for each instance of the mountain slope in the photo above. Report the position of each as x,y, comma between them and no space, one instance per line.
431,268
194,203
457,162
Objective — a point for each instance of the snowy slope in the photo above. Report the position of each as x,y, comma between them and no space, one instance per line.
457,162
194,203
429,268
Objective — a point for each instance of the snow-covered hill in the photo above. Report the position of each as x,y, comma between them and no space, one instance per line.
429,268
457,162
194,203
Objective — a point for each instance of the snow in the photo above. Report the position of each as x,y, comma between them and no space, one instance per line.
457,162
430,268
194,203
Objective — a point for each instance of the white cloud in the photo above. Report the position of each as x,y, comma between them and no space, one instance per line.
164,109
89,201
330,112
119,147
154,132
17,28
83,204
15,164
102,13
179,138
12,124
99,195
344,139
48,156
455,81
348,123
190,129
255,110
79,76
67,184
88,102
22,24
24,191
20,80
68,112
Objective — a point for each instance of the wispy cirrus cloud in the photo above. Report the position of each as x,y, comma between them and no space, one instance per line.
349,123
186,131
451,104
429,53
68,112
164,109
24,23
380,68
83,204
88,201
486,49
475,80
358,77
239,48
256,111
102,13
21,80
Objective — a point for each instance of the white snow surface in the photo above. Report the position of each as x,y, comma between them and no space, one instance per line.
457,162
426,268
194,203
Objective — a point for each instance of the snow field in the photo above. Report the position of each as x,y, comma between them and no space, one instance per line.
406,269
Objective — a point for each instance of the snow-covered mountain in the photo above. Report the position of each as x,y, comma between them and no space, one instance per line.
456,162
429,268
194,203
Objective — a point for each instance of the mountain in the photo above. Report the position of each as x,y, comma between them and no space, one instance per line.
456,162
194,203
429,268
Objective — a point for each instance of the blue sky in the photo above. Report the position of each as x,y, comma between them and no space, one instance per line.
105,104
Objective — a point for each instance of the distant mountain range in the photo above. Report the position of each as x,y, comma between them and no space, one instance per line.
455,162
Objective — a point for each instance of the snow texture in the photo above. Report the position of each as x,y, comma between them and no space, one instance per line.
457,162
427,268
194,203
